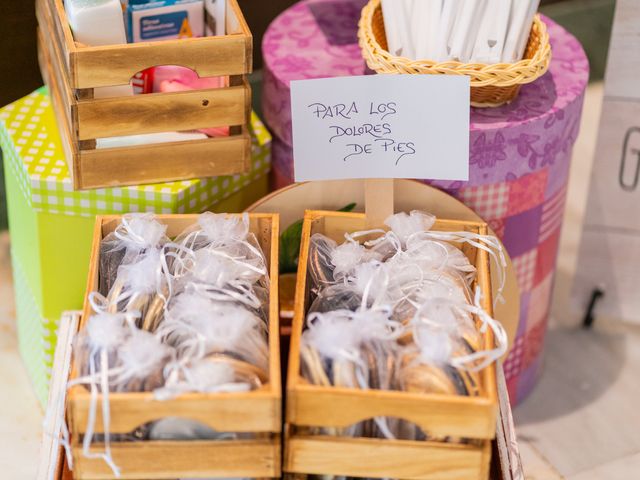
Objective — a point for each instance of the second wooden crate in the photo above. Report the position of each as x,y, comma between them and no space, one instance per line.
72,71
257,412
311,406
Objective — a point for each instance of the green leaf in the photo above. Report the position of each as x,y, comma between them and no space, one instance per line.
290,248
348,208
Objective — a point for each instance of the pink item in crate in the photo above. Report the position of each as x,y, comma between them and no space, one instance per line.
179,79
169,76
519,159
172,78
142,82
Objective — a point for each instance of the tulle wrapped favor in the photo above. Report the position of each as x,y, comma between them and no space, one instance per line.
398,310
173,317
137,235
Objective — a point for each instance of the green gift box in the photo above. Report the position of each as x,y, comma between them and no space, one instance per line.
51,224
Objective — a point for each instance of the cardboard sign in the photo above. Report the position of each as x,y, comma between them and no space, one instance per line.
609,258
381,126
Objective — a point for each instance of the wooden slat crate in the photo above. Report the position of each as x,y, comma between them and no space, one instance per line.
257,412
310,406
72,71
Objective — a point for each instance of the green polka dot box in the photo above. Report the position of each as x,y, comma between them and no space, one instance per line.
51,225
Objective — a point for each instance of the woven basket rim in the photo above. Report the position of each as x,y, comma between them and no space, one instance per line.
482,75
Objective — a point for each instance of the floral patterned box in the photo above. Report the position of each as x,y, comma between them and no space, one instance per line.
519,157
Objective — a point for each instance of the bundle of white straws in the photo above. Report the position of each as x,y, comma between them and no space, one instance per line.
468,31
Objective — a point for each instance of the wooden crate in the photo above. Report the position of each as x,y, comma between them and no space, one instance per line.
72,71
441,415
257,412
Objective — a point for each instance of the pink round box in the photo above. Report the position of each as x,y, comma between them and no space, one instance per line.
519,159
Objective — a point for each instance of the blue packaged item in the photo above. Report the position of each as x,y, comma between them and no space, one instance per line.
164,20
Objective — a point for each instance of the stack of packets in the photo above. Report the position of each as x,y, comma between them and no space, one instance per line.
398,313
113,22
188,315
107,22
467,31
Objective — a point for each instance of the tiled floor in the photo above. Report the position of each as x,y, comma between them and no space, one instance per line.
20,415
581,422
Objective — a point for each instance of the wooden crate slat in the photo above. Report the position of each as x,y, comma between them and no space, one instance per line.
161,112
483,267
184,459
55,78
60,32
364,457
269,229
234,19
439,415
59,109
158,162
235,23
255,411
110,65
261,224
116,64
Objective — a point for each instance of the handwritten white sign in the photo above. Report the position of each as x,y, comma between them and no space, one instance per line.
381,126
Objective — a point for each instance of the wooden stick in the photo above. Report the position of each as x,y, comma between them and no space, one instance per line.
394,44
463,30
503,12
378,201
481,49
472,34
526,30
435,15
517,24
419,17
403,17
445,32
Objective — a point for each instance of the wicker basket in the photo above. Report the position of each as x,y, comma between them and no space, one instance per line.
491,85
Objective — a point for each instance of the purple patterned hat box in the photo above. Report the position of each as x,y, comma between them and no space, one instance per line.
520,153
